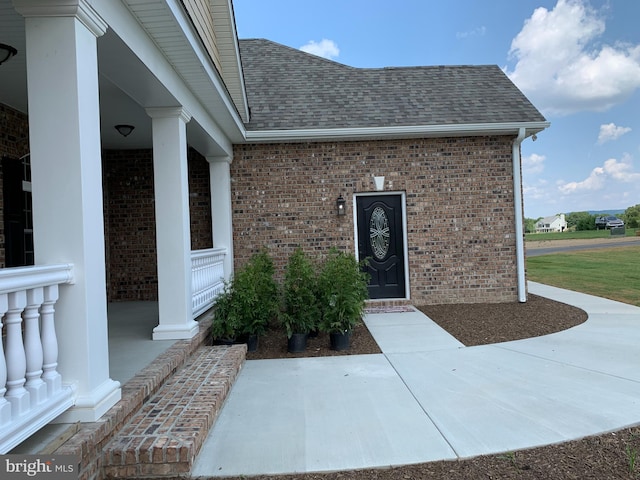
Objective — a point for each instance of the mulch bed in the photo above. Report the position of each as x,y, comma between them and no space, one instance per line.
608,456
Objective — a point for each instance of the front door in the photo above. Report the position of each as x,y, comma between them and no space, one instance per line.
381,241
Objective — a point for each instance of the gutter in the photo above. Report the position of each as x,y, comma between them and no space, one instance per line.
402,131
519,214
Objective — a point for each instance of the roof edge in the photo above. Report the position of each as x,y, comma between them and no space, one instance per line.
405,131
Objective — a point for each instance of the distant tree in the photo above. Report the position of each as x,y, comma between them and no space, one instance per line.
581,220
631,216
530,224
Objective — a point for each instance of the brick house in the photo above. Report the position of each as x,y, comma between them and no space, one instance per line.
145,151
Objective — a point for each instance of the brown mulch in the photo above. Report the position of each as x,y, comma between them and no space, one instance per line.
608,456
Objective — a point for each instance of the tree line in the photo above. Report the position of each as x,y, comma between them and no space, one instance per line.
587,221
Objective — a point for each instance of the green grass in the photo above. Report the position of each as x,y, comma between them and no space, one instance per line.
612,273
584,234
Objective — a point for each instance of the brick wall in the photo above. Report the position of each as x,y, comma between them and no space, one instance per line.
459,200
14,143
199,201
130,220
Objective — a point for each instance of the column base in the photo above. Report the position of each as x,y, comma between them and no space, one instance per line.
89,408
176,332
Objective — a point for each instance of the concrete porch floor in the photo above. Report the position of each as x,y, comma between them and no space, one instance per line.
130,350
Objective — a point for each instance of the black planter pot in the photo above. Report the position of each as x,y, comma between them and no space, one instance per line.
340,341
297,343
252,343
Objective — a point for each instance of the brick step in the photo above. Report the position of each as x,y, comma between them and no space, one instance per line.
164,436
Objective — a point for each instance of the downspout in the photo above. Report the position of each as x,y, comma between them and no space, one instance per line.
517,200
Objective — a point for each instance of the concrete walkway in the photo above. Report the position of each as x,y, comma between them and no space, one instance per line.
427,397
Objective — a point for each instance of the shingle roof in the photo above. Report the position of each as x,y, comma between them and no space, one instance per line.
288,89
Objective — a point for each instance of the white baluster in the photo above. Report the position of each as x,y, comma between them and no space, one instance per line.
50,373
16,394
33,347
5,407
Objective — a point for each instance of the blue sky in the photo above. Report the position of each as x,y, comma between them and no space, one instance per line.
578,61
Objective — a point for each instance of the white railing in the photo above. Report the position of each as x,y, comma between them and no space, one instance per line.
207,277
31,390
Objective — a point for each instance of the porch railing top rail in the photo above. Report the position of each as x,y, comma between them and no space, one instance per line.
206,252
20,278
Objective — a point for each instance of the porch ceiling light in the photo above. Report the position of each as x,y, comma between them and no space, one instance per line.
124,130
6,52
341,204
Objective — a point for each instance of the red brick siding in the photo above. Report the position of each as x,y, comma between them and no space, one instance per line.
130,220
14,143
130,225
199,201
459,200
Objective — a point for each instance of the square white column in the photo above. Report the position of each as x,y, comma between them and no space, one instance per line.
64,131
173,228
221,210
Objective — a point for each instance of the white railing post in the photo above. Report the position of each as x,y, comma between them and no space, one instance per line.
5,407
16,394
33,346
50,373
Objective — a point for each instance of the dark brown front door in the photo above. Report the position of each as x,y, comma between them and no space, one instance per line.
381,241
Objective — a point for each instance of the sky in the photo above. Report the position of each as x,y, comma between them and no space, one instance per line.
578,62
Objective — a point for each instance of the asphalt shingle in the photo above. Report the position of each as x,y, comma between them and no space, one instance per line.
288,89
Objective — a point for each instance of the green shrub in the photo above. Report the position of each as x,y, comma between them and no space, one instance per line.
301,313
342,291
249,302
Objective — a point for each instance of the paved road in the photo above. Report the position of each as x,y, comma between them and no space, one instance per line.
533,251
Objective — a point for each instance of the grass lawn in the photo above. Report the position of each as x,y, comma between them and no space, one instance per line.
612,273
582,234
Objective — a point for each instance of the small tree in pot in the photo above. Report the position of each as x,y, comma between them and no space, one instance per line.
249,302
301,313
342,293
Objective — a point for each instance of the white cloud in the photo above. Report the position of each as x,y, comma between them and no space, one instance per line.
533,163
610,132
562,68
324,48
479,32
610,173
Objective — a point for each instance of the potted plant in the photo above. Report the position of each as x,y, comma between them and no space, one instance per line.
225,325
249,302
301,312
343,292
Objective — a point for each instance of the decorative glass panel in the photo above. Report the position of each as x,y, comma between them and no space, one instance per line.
379,233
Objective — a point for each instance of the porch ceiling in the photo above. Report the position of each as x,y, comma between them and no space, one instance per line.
127,87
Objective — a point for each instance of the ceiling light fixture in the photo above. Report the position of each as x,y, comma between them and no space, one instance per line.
6,52
124,130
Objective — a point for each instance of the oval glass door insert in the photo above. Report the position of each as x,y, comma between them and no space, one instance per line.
379,233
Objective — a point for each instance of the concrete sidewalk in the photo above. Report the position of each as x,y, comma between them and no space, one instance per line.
427,397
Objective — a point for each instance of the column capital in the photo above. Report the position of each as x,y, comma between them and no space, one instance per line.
169,112
79,9
220,159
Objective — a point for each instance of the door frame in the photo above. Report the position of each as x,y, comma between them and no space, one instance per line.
405,244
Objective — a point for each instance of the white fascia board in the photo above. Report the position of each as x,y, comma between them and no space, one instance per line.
413,131
187,28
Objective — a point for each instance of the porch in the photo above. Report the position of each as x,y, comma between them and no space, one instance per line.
34,390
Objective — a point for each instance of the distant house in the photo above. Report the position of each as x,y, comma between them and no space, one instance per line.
554,223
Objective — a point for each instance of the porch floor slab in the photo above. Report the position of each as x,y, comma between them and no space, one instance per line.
427,398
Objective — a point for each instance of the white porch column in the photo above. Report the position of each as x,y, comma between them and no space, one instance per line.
173,229
221,210
64,131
